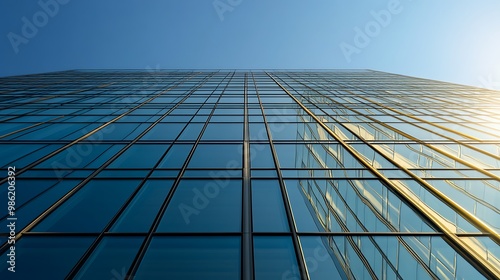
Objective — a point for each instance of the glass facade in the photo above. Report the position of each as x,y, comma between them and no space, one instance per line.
349,174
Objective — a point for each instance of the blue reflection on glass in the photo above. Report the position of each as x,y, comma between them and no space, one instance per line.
142,210
111,258
321,262
216,156
223,131
33,208
191,258
176,156
204,206
164,131
92,207
140,156
267,207
303,213
274,258
261,156
45,257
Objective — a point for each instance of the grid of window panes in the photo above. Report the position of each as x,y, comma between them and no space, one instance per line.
352,174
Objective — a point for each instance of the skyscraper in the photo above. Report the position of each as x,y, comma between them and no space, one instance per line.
352,174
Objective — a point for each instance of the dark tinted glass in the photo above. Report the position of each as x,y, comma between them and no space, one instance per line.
111,259
44,257
274,258
92,206
142,210
192,258
204,205
267,207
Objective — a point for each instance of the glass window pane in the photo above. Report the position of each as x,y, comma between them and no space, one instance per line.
216,156
76,156
192,131
320,259
45,257
164,131
142,210
192,258
204,205
35,207
140,156
302,208
223,131
274,258
176,156
32,156
11,152
258,131
315,156
269,213
111,259
119,131
26,191
261,156
92,206
105,156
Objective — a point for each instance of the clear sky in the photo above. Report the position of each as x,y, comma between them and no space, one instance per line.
449,40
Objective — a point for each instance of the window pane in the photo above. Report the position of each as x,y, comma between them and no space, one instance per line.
267,206
223,131
302,208
258,131
274,257
164,131
140,156
192,131
261,156
92,206
35,207
45,257
191,258
204,205
216,156
11,152
142,210
176,156
76,156
320,259
111,259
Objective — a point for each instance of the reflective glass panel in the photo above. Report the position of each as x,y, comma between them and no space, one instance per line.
267,207
274,258
111,259
43,257
92,206
204,205
192,257
216,156
142,210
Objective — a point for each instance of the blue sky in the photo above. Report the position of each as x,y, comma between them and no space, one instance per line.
447,40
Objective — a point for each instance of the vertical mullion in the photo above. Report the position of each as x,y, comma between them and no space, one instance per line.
247,242
291,221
